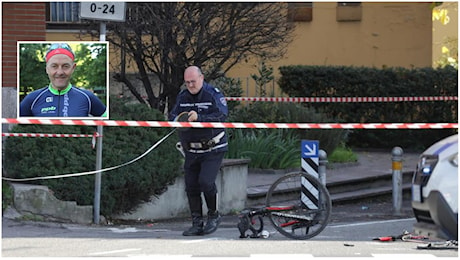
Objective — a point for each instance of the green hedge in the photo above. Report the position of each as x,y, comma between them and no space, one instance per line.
123,189
343,81
265,112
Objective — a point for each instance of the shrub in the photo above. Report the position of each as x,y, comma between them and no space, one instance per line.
342,154
349,81
7,196
276,149
265,112
122,189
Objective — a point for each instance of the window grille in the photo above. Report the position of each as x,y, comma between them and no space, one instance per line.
63,12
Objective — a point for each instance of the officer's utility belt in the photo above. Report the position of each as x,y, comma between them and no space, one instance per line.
205,144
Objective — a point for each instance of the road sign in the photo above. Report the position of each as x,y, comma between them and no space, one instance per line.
310,148
110,11
309,162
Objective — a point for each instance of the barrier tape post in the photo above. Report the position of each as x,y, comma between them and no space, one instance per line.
97,183
97,176
322,166
396,158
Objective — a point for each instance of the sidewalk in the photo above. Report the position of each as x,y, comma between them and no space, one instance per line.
369,164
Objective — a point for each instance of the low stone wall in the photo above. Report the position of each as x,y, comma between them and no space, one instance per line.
231,184
38,200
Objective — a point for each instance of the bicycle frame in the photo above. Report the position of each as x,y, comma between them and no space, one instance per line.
299,219
262,212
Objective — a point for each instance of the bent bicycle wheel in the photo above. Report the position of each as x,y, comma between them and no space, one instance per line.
299,205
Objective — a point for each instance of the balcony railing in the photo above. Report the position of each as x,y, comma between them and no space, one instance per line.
63,12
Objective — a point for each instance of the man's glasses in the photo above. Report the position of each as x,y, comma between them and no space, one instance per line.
193,82
190,82
55,46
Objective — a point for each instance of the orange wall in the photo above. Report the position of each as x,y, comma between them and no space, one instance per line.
389,34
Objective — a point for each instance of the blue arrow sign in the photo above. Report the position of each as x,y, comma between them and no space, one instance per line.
309,148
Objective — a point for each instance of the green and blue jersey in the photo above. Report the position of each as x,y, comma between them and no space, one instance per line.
70,102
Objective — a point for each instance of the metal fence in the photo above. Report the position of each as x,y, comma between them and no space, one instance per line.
64,12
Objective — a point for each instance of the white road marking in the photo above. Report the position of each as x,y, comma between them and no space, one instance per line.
405,256
370,223
133,230
199,240
115,251
123,230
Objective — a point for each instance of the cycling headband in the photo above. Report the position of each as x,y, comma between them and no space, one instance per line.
59,48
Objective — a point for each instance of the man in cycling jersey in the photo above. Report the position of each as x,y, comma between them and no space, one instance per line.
60,98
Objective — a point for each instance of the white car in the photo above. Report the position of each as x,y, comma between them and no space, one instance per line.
435,191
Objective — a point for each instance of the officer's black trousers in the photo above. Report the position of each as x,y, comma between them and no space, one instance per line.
200,177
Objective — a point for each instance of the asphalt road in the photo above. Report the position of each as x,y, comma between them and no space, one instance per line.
165,240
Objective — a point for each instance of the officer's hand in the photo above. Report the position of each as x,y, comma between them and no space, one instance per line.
192,116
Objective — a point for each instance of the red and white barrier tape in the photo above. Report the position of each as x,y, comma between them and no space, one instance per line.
342,99
48,135
231,125
93,141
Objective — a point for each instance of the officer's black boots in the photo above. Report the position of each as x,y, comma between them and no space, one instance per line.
195,205
213,222
213,215
197,226
214,218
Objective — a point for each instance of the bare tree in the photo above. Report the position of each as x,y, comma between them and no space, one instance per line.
163,38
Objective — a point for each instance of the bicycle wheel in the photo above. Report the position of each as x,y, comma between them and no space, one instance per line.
299,205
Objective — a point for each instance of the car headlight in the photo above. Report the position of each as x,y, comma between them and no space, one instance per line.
425,167
427,163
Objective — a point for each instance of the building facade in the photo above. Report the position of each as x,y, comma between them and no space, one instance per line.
370,34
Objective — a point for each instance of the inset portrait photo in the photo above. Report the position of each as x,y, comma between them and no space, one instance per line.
63,79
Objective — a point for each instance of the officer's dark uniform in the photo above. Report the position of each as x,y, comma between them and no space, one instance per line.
204,150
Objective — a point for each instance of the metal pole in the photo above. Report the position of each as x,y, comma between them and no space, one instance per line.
396,158
97,180
322,163
322,166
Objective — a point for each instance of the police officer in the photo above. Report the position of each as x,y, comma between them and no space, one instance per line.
204,148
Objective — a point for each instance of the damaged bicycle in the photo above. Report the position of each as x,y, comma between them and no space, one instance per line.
297,204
